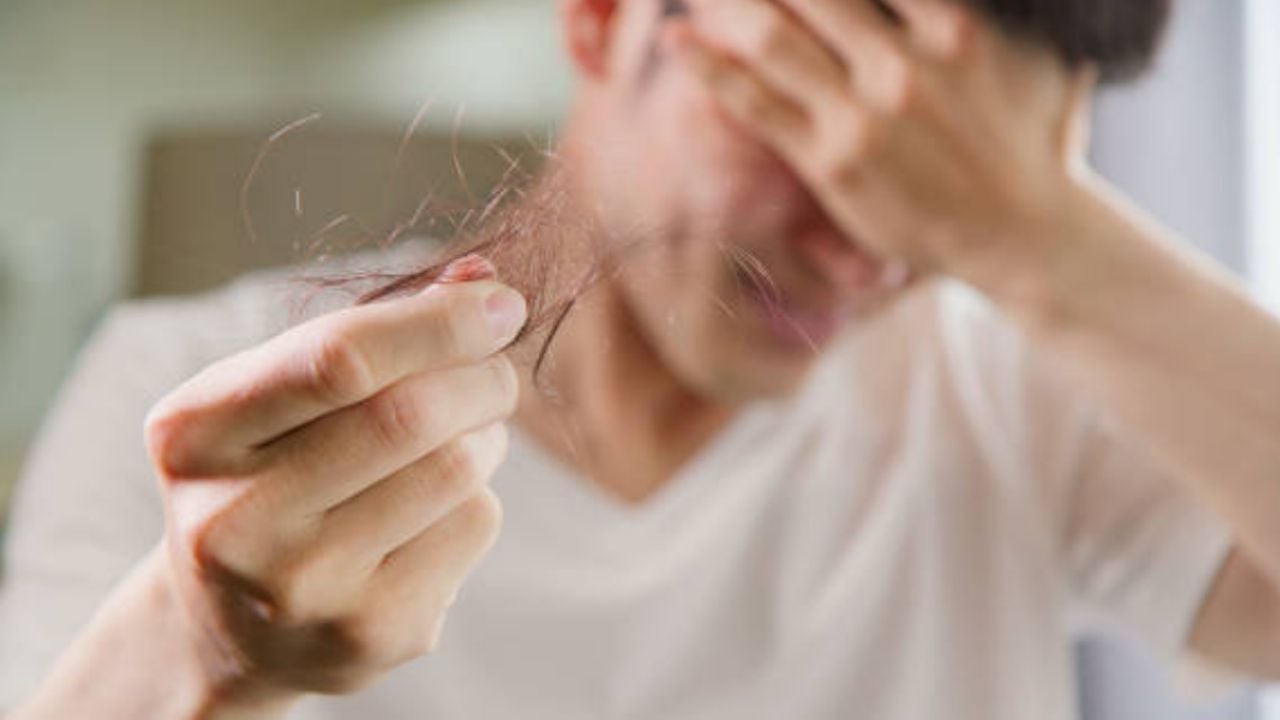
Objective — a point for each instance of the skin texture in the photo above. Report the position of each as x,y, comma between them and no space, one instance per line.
760,133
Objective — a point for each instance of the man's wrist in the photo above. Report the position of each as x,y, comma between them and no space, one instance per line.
136,659
198,693
208,696
1032,272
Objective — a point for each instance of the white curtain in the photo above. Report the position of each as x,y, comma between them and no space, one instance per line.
1263,137
1262,132
1174,141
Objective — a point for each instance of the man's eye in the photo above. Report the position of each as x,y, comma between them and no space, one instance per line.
674,8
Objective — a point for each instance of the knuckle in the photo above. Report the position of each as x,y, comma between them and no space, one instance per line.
455,326
285,585
337,369
463,463
166,434
216,552
769,37
374,640
450,472
398,417
215,537
300,585
462,468
481,516
904,91
205,549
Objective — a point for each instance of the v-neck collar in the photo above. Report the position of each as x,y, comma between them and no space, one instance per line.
562,502
690,479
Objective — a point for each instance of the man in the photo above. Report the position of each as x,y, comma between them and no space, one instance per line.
728,508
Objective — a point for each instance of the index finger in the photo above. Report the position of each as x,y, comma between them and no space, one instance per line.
333,362
861,32
941,28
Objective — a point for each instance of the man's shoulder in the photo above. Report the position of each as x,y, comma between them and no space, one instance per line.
966,322
949,342
942,323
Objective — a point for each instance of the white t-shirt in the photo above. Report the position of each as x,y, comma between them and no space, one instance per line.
903,538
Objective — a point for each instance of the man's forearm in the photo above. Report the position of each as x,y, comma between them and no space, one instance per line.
133,661
1171,347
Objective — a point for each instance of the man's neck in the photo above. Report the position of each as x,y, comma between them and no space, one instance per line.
608,406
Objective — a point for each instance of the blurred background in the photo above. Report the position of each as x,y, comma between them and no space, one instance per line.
128,129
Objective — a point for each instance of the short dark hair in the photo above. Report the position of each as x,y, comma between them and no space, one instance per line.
1121,37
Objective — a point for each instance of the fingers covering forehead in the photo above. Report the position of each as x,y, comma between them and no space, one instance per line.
868,31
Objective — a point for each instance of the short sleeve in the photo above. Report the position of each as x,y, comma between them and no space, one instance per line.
1138,548
86,508
1130,544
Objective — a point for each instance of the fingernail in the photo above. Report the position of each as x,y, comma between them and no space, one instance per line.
468,268
506,312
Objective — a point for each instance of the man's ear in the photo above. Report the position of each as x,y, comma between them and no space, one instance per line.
587,27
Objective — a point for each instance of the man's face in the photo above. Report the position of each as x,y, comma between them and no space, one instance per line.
733,273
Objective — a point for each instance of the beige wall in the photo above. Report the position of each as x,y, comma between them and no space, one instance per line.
83,82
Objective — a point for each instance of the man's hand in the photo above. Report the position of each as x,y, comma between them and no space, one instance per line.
928,135
325,492
932,137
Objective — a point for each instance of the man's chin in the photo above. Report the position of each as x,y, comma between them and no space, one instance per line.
765,372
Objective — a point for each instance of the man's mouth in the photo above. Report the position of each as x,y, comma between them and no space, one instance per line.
808,322
803,328
790,323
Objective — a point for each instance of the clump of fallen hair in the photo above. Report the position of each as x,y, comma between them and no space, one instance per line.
537,245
